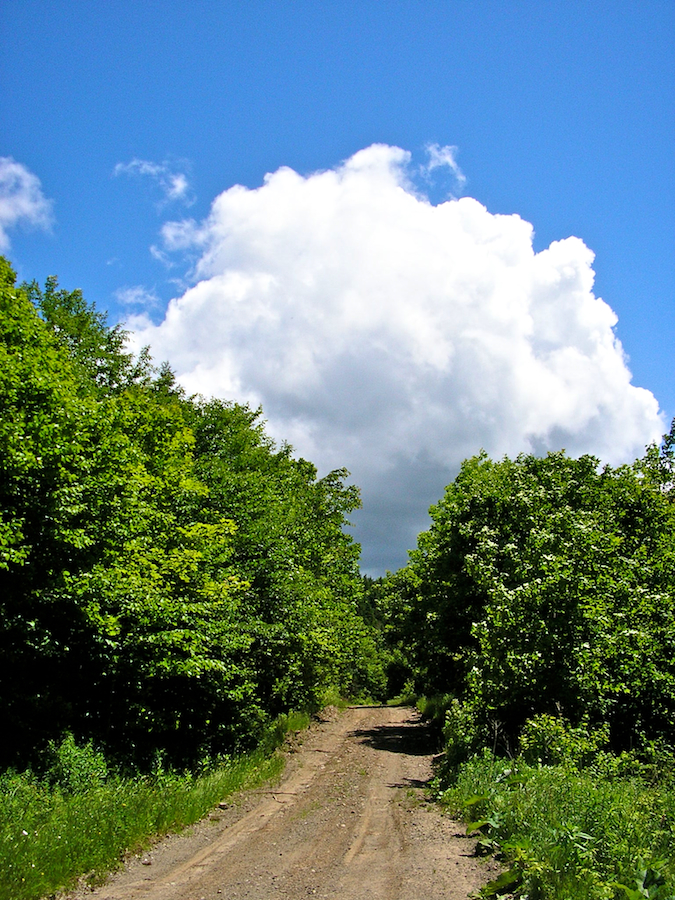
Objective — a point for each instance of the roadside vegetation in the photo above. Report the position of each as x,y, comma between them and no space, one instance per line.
171,584
170,580
79,818
537,615
603,831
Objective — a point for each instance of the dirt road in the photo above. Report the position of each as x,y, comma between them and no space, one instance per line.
347,821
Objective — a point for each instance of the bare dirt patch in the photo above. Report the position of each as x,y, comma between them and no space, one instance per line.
348,820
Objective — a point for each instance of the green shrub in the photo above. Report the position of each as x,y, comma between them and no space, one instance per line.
553,741
462,734
434,708
74,768
545,585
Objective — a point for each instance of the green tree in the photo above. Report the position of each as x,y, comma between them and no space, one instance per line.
169,578
292,549
118,608
95,349
544,585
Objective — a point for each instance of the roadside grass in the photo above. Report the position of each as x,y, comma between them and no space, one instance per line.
332,697
566,834
407,697
51,835
434,708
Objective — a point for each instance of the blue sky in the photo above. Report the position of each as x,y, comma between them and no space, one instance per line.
136,115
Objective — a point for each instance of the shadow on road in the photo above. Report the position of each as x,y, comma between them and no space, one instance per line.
416,739
417,783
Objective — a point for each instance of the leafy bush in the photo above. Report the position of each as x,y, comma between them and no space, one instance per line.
433,709
75,769
552,741
546,586
462,734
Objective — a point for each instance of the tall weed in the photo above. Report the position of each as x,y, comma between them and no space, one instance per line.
566,834
56,828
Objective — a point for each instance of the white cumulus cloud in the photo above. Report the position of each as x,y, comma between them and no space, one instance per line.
21,200
396,337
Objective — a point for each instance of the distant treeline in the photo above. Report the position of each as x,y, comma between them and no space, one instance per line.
170,580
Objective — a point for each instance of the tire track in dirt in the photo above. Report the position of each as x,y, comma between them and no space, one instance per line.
348,820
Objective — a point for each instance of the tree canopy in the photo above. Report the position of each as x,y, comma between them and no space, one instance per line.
169,578
545,585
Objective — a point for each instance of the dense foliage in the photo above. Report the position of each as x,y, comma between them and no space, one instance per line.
546,586
171,581
539,610
169,578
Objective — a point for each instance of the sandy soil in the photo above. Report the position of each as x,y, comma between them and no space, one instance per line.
347,820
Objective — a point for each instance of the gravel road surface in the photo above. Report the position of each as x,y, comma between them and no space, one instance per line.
348,820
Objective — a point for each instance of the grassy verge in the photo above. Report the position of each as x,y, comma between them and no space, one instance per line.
50,835
568,834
